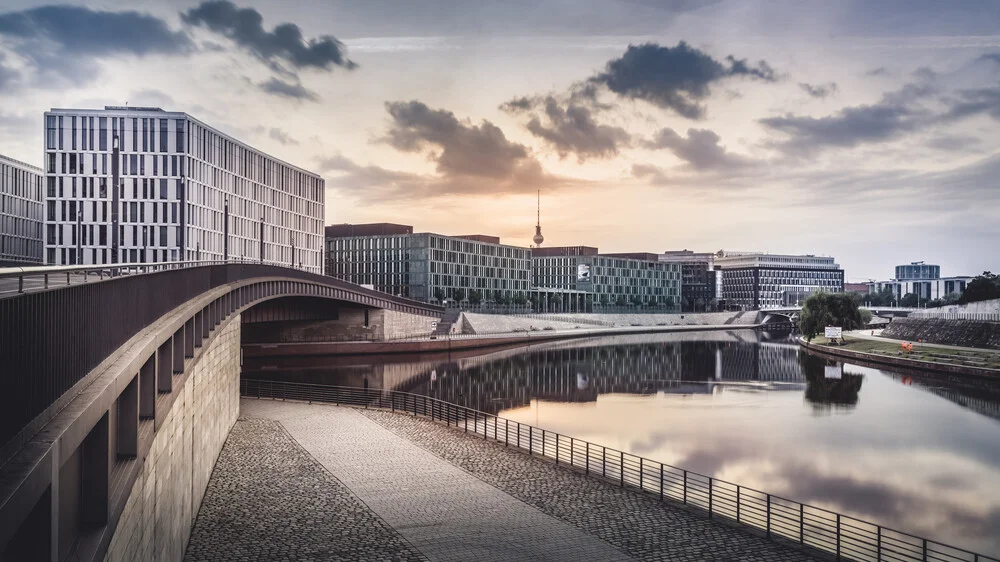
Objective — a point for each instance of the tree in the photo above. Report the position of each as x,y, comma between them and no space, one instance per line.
605,301
621,300
439,294
830,309
459,295
475,297
881,298
909,300
520,299
982,288
699,305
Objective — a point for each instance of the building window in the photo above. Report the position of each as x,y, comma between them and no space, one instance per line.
163,135
50,132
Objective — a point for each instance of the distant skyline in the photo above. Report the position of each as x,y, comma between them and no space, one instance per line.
865,130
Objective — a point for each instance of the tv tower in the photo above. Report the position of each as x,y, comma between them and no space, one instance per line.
538,225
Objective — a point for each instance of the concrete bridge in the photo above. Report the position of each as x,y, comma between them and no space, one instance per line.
791,313
120,385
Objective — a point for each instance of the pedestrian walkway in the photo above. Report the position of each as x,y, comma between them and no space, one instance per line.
431,491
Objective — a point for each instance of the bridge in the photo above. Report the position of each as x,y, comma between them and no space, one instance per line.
121,382
791,313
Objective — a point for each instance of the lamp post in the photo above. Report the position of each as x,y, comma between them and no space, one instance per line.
79,233
262,239
225,233
115,199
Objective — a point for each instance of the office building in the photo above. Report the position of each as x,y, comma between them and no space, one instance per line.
922,280
185,191
701,289
426,266
593,280
752,281
21,216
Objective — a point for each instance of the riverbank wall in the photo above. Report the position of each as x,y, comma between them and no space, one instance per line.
964,333
992,375
460,342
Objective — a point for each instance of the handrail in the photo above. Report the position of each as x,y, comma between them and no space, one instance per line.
810,526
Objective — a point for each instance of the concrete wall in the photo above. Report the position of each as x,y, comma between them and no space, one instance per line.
157,519
965,333
351,324
498,323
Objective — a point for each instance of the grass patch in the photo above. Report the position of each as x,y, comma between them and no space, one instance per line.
920,352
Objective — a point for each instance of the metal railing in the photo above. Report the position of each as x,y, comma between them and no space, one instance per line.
776,517
976,316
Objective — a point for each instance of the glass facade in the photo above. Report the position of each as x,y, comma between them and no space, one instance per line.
756,281
176,177
21,212
917,270
613,281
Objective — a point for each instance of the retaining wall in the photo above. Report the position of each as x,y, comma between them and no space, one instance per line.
156,521
965,333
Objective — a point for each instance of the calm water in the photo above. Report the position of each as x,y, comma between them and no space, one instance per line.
916,454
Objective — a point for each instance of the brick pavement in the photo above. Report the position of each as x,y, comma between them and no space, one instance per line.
442,510
267,499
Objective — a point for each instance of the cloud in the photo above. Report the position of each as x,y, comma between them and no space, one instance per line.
296,90
284,45
701,150
281,137
675,78
953,142
571,129
465,149
819,90
653,174
880,71
8,76
974,102
895,114
65,40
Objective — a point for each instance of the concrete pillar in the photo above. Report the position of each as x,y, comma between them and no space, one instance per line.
189,338
197,325
148,386
95,475
164,369
128,419
179,347
206,323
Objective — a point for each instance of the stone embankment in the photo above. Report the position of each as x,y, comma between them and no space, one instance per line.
475,323
964,333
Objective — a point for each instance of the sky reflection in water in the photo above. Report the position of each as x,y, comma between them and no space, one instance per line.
916,455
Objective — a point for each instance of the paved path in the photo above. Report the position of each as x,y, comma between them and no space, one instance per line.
423,489
866,335
443,511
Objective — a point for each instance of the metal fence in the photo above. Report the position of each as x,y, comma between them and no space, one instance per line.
778,518
977,316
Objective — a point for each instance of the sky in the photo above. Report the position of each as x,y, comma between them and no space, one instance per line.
867,130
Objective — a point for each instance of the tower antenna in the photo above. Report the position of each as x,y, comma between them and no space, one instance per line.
538,238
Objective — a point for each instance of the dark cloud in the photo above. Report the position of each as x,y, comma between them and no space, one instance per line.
572,129
294,90
819,90
953,142
993,57
701,150
282,137
471,159
974,102
676,78
460,148
880,71
8,76
896,113
284,44
66,40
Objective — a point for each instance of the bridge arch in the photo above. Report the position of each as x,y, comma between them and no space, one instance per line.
90,368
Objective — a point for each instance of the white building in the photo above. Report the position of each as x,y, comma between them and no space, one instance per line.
922,280
21,217
179,181
753,280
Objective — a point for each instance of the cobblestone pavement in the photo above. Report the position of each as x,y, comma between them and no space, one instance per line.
268,499
639,525
442,510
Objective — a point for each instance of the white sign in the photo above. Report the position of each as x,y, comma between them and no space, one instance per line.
583,272
833,332
834,371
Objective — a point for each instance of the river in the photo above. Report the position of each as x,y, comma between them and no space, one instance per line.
917,454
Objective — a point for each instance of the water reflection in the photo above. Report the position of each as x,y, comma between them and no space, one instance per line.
906,451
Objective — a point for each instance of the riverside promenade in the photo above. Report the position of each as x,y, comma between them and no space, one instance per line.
321,482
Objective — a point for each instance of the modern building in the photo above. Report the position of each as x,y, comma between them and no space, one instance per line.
184,191
922,280
752,281
700,288
598,280
21,213
426,266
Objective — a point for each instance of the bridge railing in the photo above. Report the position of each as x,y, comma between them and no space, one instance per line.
51,339
774,516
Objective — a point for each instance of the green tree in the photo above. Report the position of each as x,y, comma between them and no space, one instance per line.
881,298
459,295
982,288
830,309
501,298
605,301
439,294
909,300
475,297
636,300
621,300
520,299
